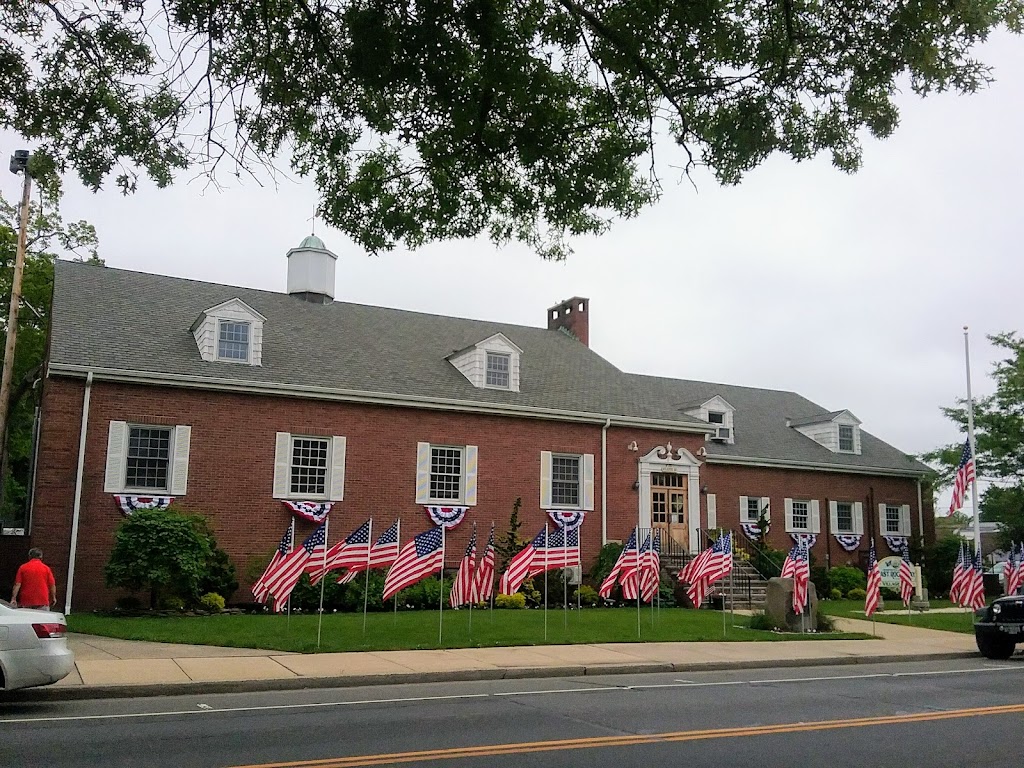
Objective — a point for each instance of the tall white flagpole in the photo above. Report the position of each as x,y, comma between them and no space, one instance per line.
545,580
472,580
288,620
323,580
970,438
366,587
440,606
398,544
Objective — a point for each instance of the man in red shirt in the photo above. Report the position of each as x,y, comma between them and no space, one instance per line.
34,583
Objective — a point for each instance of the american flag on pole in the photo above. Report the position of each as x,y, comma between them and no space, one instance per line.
259,589
290,568
462,587
906,575
382,554
1014,570
711,565
800,571
562,550
630,580
351,552
483,578
964,478
519,566
960,570
624,565
651,579
974,586
874,591
418,559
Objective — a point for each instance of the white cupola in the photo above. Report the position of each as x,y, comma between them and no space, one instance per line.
311,271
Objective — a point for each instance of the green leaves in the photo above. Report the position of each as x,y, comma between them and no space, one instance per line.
533,121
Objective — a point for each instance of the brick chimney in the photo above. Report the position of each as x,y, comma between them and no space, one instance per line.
572,316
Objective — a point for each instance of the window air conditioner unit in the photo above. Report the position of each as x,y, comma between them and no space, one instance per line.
723,434
573,574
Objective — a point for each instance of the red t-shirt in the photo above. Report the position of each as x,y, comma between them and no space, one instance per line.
35,578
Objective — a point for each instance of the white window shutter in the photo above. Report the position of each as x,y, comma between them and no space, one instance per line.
471,466
422,473
858,518
282,465
905,520
743,511
713,511
117,445
815,521
588,482
545,479
833,516
881,519
179,464
789,515
338,448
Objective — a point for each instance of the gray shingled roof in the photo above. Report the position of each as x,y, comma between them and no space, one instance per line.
817,418
105,318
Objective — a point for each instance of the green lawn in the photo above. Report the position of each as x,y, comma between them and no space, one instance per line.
419,629
962,621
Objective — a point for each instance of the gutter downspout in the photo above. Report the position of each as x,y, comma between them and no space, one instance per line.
78,493
604,482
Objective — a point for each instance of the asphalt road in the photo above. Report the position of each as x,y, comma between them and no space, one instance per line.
967,712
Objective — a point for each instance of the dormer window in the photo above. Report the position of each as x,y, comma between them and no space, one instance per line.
233,341
718,413
846,444
499,367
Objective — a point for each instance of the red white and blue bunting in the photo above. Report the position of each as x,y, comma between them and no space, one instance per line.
848,541
449,517
129,504
314,511
751,530
567,520
807,539
896,543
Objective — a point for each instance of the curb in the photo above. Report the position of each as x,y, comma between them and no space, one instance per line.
81,692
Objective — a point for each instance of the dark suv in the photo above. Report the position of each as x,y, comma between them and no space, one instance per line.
999,627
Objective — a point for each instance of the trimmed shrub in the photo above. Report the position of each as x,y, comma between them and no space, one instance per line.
587,595
128,603
835,594
856,594
212,602
845,578
517,600
172,603
825,623
605,562
763,622
891,594
820,579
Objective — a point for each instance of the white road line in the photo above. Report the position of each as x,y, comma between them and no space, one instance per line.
707,685
563,690
815,679
957,671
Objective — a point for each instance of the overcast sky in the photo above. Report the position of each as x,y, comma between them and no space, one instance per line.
851,290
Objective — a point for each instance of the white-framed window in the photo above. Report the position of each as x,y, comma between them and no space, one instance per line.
892,519
147,458
309,467
233,340
446,474
803,516
499,370
566,480
844,517
751,508
716,417
846,441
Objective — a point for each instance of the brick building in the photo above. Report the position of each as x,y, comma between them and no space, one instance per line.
232,400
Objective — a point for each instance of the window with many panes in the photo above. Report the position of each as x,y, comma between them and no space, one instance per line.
149,458
233,341
498,370
445,474
715,417
801,515
846,438
565,481
309,466
755,504
844,517
892,518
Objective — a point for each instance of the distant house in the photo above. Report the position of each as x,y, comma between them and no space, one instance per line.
232,401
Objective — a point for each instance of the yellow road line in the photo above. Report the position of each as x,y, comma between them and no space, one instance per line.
493,750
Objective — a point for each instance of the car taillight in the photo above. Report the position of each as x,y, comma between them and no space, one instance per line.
50,630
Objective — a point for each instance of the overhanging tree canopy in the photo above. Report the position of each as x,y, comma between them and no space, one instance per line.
529,120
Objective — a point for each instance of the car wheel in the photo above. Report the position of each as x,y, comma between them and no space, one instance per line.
995,647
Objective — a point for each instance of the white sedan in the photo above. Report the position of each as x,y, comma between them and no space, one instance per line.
33,647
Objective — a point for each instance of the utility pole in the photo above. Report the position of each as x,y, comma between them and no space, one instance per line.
19,164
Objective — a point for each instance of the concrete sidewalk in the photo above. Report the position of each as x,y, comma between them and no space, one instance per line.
107,667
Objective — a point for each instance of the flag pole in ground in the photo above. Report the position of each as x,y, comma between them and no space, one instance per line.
323,582
723,594
366,587
970,438
398,543
732,584
545,580
288,619
440,607
472,579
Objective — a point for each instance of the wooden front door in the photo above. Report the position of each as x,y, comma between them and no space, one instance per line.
669,510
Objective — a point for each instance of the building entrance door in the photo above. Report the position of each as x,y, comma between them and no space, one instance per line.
669,511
